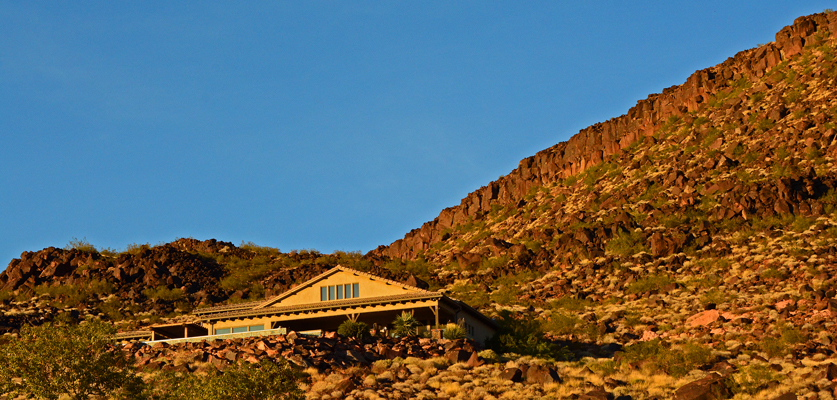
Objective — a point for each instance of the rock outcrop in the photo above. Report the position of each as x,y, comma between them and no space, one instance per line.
596,143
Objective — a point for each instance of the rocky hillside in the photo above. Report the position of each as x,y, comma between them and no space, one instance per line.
683,250
145,284
760,122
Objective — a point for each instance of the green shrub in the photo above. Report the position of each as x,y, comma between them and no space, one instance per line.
405,324
241,273
570,303
626,244
676,362
563,324
353,329
73,295
470,294
50,360
135,248
524,337
751,379
781,344
164,293
260,250
81,245
455,331
649,283
243,381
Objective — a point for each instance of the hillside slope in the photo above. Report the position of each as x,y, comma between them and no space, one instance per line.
738,114
683,250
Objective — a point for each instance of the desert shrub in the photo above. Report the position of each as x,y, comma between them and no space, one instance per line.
604,368
455,331
405,324
524,337
353,329
260,250
270,380
73,295
751,379
241,273
649,283
494,262
569,324
783,342
715,296
658,356
6,295
164,293
50,361
136,248
508,291
570,303
81,245
626,244
470,294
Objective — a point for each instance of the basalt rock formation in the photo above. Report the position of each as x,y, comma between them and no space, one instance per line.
693,99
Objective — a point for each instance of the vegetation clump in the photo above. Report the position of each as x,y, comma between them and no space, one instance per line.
353,329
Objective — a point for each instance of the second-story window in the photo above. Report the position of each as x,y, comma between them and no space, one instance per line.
340,292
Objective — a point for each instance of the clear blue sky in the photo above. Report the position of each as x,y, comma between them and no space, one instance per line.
335,125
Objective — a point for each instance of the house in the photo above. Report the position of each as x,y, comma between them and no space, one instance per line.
329,299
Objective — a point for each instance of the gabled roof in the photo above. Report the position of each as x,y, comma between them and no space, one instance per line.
336,304
339,268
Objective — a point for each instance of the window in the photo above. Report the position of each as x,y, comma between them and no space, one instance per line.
239,329
222,331
256,328
339,292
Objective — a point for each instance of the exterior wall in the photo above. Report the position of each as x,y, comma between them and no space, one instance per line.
274,321
367,288
478,331
236,323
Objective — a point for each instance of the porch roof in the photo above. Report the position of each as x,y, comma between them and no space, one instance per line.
325,305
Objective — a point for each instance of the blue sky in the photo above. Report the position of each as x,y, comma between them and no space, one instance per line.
327,125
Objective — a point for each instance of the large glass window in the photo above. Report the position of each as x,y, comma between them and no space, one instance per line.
239,329
256,328
339,292
323,293
222,331
331,292
355,292
348,289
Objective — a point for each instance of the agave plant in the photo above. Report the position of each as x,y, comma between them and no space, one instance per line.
405,324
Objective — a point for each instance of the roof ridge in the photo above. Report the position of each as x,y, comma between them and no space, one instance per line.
338,267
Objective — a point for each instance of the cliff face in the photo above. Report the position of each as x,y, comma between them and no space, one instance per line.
596,143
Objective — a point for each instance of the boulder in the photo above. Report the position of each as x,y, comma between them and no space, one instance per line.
542,374
712,387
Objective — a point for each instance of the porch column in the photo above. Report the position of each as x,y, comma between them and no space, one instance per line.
435,310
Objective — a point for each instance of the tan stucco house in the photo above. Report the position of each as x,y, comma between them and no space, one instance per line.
324,302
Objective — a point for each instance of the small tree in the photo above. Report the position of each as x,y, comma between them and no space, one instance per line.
77,360
266,380
353,329
405,324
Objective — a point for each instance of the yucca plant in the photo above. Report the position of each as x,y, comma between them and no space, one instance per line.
455,331
405,324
